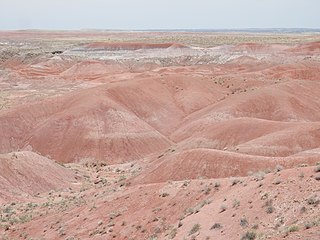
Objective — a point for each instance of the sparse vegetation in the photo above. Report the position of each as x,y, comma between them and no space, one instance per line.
217,185
207,190
256,226
185,183
308,225
223,208
244,222
234,181
303,209
113,215
293,228
137,144
313,223
250,235
259,176
303,165
189,211
278,168
269,207
164,194
173,233
236,203
194,229
313,200
277,182
216,226
62,232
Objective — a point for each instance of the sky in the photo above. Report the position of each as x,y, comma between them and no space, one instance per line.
158,14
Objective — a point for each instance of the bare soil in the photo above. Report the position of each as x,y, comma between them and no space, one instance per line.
159,135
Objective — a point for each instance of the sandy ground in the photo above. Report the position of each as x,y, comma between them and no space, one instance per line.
115,135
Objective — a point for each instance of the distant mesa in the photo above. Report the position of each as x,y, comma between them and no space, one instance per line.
257,47
130,46
312,47
249,47
304,48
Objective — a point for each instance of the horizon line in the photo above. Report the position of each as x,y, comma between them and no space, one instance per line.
263,29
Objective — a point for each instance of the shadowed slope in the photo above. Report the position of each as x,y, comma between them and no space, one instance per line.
207,163
25,173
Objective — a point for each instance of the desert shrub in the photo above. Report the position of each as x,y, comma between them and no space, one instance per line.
250,235
314,223
164,194
185,183
207,190
223,208
113,215
189,211
313,200
234,181
259,176
303,209
173,233
278,168
216,226
277,182
293,228
301,175
62,232
236,203
25,218
194,229
308,225
269,206
244,222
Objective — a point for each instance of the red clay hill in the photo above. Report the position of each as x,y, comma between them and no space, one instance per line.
210,142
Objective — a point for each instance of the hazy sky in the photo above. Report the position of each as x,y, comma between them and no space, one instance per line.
158,14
